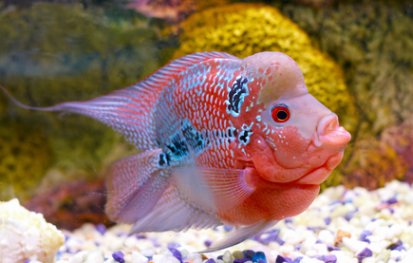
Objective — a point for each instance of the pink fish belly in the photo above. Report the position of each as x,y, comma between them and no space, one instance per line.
274,203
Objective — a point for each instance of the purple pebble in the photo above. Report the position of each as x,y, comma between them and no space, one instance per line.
396,246
101,228
210,260
328,258
207,243
327,220
364,236
173,245
350,215
177,254
332,248
391,201
297,260
140,236
270,236
118,256
281,259
365,253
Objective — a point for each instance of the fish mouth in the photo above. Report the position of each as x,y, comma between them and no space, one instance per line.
318,175
330,135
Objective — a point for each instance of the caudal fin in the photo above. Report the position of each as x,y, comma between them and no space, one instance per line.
134,186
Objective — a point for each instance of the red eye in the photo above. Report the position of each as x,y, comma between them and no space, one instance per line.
280,113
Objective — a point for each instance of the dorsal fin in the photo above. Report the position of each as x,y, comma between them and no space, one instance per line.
130,110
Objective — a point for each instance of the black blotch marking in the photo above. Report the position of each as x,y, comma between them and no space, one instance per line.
164,159
236,95
244,136
178,147
192,137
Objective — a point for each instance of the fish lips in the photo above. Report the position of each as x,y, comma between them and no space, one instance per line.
320,174
330,135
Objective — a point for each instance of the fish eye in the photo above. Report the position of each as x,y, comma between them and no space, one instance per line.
280,113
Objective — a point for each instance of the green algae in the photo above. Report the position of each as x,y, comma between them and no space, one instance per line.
52,53
24,157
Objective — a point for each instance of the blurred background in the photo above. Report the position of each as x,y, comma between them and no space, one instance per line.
357,58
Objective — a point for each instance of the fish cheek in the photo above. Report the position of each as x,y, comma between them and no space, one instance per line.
292,148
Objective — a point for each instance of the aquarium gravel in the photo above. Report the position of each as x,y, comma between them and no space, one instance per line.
341,226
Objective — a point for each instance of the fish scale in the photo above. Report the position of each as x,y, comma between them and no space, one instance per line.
194,98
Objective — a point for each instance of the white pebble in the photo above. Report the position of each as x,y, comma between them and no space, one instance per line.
306,235
326,236
137,258
164,259
354,245
310,260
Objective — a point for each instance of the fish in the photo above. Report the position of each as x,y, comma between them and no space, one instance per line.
221,140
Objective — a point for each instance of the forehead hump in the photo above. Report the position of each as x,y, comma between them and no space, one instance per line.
283,77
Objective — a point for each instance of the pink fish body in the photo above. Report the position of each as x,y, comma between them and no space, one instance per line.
224,141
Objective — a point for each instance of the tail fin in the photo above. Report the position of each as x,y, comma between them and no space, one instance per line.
134,185
22,105
127,111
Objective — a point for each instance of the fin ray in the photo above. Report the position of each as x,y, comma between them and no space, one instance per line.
229,186
173,212
134,185
238,235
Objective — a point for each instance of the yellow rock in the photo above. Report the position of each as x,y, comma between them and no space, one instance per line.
24,159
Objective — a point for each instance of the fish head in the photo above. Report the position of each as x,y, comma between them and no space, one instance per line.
295,138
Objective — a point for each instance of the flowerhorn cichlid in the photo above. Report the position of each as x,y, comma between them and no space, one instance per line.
223,140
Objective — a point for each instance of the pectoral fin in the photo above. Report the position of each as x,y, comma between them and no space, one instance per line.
193,199
177,212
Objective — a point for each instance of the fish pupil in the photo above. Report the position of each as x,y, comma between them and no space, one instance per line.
282,115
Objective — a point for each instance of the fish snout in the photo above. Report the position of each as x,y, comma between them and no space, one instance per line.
330,135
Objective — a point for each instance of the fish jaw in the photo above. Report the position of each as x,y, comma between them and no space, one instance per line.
297,159
330,140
